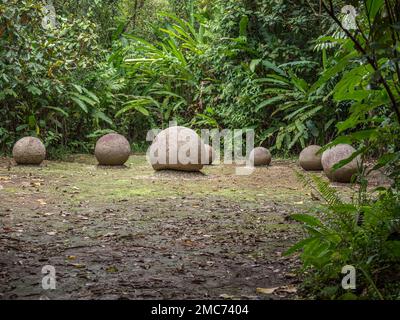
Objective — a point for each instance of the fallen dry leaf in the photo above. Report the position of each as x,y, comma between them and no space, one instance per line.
78,265
109,234
289,289
266,290
290,275
48,214
112,269
42,202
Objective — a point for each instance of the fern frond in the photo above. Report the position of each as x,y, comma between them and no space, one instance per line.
322,187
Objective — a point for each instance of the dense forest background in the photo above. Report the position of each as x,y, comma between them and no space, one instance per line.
134,65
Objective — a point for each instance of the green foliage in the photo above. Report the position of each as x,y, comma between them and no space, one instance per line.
162,72
55,83
298,106
63,83
250,39
141,16
41,72
370,75
363,233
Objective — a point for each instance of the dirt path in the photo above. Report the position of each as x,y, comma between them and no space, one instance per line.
135,234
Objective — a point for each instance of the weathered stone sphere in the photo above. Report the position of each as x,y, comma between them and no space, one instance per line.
177,148
29,150
336,154
112,149
309,159
260,157
209,155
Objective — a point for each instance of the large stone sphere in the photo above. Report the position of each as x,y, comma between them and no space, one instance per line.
210,154
177,148
29,150
336,154
309,159
260,157
112,149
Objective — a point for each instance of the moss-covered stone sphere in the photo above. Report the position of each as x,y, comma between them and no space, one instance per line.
112,149
177,148
29,150
336,154
309,159
260,157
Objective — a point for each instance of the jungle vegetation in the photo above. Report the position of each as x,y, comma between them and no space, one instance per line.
297,72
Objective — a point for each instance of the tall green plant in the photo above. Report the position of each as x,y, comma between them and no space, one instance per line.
368,60
363,234
162,70
303,113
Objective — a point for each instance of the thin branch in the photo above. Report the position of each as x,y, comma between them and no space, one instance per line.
393,35
312,8
370,60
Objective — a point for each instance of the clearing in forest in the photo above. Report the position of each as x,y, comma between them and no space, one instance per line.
132,233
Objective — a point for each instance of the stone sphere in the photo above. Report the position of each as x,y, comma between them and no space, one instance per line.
260,157
177,148
309,159
29,150
210,154
336,154
112,150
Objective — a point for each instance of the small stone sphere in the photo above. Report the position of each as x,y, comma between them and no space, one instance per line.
177,148
336,154
112,149
309,159
29,150
260,157
209,154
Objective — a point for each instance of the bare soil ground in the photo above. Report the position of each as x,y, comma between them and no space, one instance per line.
132,233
